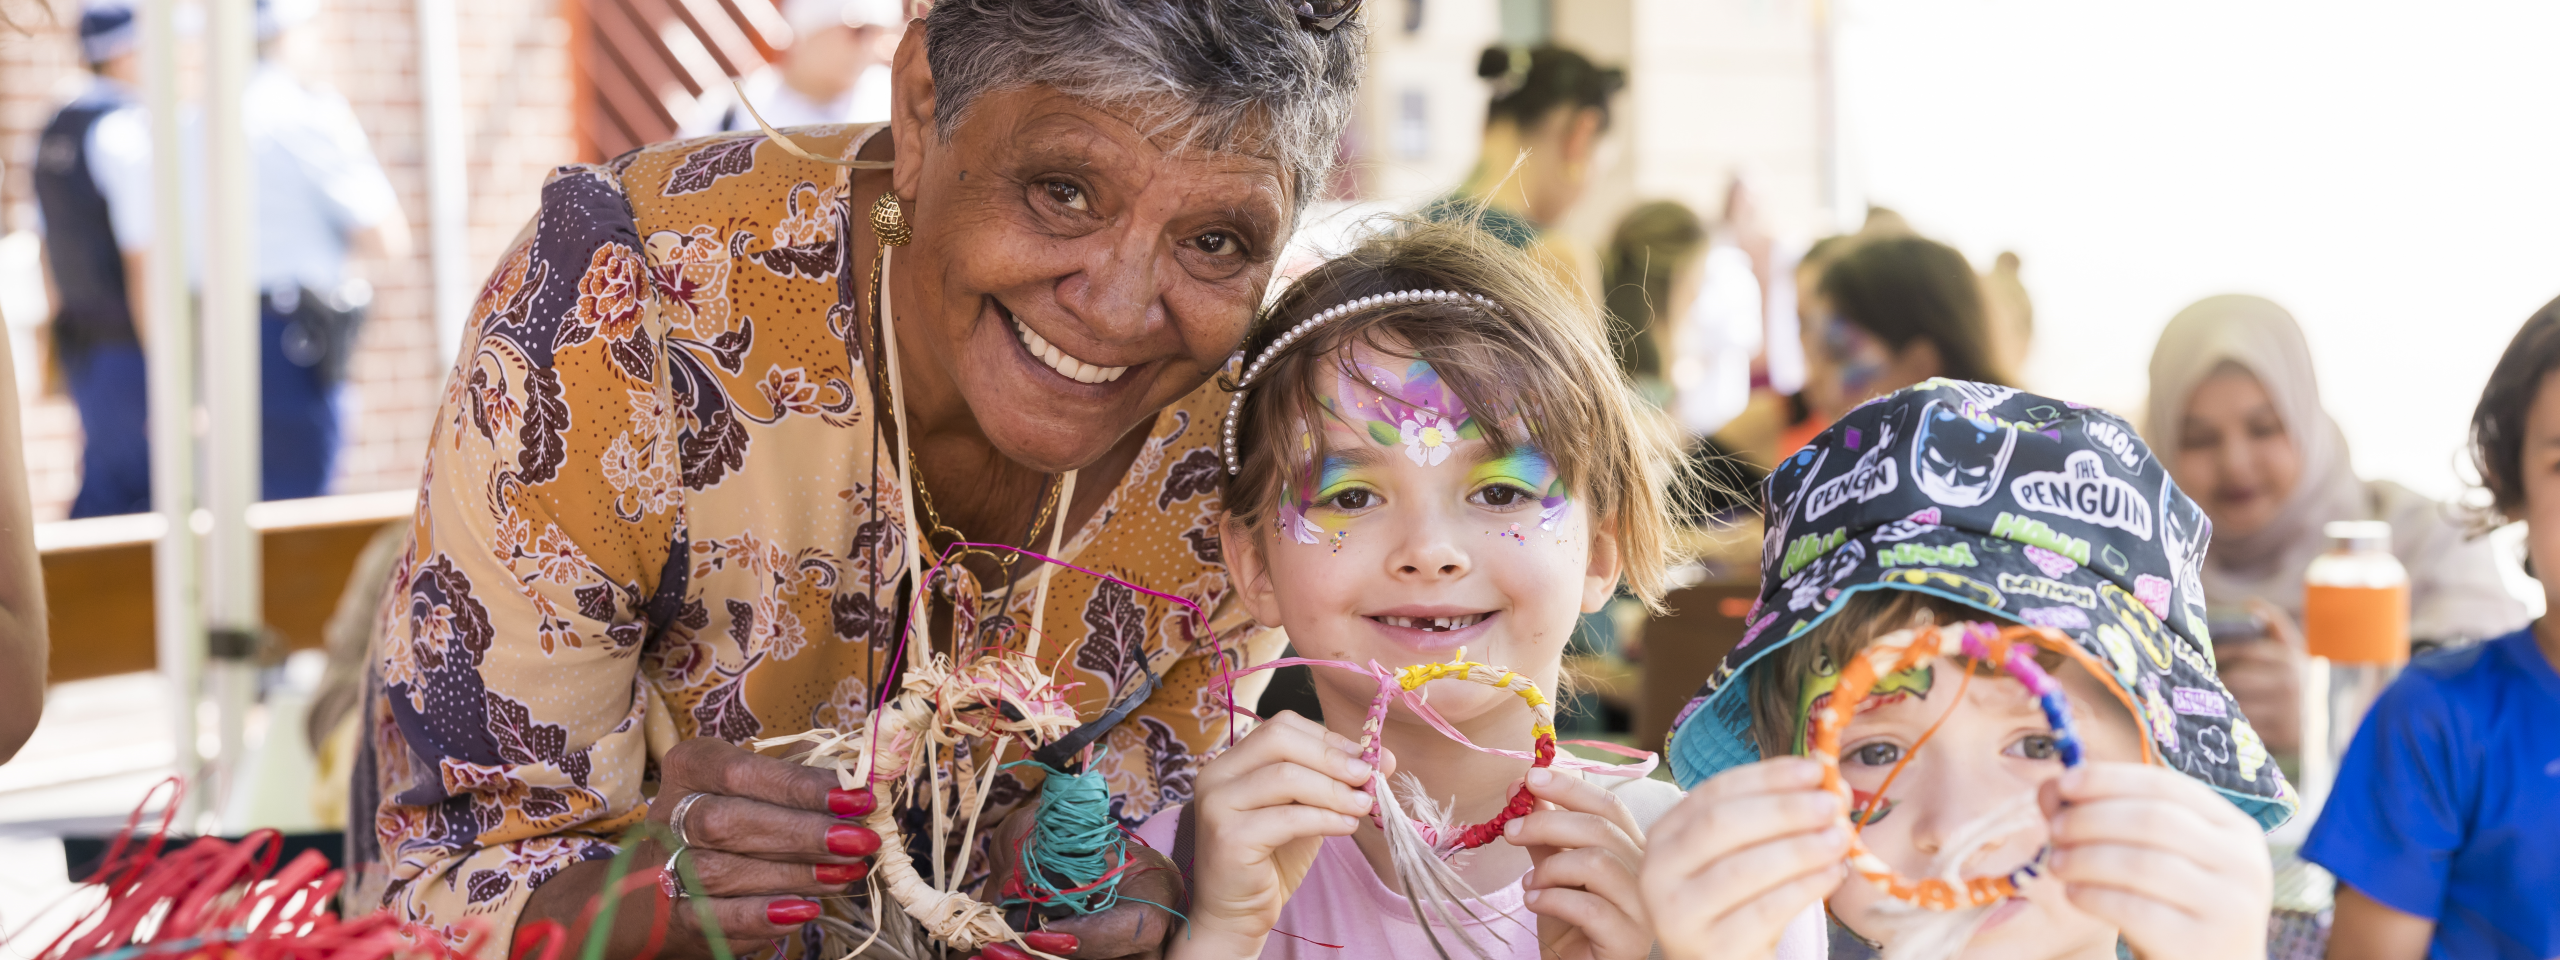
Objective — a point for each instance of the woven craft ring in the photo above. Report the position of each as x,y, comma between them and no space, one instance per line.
2010,647
908,725
1338,311
1543,729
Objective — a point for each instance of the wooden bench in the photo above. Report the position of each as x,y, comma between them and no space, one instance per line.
98,575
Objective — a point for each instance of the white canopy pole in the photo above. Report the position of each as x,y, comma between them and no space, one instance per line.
448,194
170,334
231,357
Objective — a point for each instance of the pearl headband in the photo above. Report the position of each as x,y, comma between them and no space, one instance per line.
1235,407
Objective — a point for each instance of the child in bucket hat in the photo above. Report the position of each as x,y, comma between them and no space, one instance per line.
1963,510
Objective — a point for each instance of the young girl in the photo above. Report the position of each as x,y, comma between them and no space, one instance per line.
2439,828
1432,452
1946,503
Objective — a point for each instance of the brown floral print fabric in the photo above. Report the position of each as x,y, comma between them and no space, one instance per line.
656,507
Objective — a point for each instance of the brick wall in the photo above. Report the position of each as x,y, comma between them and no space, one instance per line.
517,117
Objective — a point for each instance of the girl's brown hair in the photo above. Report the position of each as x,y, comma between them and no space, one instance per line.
1540,361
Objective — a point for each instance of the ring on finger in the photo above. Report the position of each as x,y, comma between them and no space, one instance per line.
669,882
675,819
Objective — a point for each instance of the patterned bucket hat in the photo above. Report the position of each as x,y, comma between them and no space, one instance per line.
2038,511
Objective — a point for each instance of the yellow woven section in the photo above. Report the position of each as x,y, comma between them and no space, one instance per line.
1413,677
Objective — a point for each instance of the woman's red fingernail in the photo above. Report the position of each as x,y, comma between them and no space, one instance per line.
1001,950
851,803
847,840
1051,941
790,913
842,872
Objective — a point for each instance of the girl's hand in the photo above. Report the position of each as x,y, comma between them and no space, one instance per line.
1262,809
1585,848
1741,856
2179,870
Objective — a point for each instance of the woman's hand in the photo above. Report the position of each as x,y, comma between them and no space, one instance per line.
1741,856
1585,849
2176,868
1262,808
2265,677
767,837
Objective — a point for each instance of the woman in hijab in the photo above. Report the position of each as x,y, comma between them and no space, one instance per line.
2236,409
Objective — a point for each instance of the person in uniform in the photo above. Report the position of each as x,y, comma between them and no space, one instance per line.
94,336
319,195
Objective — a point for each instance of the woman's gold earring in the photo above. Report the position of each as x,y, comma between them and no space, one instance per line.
889,221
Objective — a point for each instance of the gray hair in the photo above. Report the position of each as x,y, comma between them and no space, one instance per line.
1246,69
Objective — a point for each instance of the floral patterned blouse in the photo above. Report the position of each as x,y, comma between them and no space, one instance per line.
656,507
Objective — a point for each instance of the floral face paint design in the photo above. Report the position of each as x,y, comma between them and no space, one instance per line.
1413,409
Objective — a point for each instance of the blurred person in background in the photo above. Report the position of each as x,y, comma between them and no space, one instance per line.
1805,290
86,275
1891,312
320,197
2010,313
1541,150
2235,409
836,70
1660,285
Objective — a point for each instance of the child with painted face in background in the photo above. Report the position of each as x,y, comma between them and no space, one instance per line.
1974,509
1433,453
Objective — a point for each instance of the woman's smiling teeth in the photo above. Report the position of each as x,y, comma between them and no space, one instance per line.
1433,624
1068,367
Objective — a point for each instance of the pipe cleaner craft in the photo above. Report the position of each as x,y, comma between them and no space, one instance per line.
1421,843
2012,649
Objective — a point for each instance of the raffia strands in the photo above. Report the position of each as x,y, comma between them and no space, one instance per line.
1441,900
995,698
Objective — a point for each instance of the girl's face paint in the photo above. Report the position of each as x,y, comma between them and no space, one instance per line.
1430,542
1529,469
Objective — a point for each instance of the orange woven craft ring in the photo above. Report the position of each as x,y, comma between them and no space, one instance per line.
2010,648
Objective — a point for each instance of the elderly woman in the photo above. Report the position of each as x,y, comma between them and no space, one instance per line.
665,511
2236,411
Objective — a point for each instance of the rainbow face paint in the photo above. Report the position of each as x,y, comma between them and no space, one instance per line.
1524,467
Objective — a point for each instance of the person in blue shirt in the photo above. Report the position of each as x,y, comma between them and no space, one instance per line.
2444,827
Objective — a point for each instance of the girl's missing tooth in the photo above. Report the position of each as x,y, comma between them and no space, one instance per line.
2001,821
1433,452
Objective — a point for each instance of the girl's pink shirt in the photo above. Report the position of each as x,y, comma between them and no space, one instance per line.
1344,912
